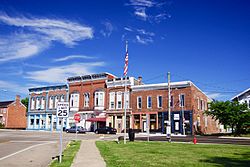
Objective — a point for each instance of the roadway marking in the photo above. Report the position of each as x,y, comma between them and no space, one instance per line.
25,150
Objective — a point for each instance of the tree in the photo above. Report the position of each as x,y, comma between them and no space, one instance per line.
26,103
231,114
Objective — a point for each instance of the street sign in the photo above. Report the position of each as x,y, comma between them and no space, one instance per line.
62,110
77,117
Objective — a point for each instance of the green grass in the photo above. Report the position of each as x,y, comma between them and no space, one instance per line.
163,154
68,155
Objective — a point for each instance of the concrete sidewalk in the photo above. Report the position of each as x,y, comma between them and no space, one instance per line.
88,155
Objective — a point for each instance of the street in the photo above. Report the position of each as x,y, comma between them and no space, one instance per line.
34,148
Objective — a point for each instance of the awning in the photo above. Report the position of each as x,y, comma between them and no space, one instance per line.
96,120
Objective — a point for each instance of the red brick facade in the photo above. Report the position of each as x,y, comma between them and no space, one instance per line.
14,115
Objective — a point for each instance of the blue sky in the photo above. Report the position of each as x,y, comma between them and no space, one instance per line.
44,42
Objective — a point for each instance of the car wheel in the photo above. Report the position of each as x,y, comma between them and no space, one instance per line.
108,132
96,132
67,131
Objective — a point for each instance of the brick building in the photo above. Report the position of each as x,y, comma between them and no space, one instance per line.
88,96
149,102
13,114
42,107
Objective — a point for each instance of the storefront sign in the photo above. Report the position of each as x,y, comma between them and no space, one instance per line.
176,116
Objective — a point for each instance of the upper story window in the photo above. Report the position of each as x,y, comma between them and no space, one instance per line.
62,98
74,100
198,103
139,102
38,103
171,101
159,101
99,99
182,100
43,103
51,102
32,105
126,99
56,101
201,104
149,102
119,100
112,100
86,99
248,103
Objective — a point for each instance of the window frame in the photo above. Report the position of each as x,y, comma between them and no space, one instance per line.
149,97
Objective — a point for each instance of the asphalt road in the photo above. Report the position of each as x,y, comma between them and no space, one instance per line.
200,139
33,148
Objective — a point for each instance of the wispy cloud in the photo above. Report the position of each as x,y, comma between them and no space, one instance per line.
142,10
13,87
143,40
38,34
73,57
214,95
20,46
59,74
144,32
65,31
128,29
108,29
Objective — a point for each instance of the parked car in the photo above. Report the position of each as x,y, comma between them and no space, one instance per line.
73,129
106,130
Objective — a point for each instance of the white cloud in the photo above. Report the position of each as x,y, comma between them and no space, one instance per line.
64,31
108,29
37,35
20,46
141,13
59,74
144,40
73,57
144,32
214,95
13,87
128,29
145,3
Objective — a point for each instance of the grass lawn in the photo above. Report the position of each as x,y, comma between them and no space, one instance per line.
165,154
68,155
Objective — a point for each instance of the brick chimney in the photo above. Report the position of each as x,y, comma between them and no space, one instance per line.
140,80
18,98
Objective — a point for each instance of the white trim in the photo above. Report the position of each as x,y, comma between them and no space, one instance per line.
118,94
240,94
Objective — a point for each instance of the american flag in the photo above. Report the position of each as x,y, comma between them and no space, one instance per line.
126,65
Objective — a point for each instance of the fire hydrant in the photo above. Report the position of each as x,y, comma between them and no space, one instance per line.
195,140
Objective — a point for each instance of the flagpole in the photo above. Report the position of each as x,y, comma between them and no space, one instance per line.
125,99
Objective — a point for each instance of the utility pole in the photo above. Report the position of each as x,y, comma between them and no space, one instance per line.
169,110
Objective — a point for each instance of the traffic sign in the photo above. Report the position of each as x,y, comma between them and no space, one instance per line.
62,110
77,117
